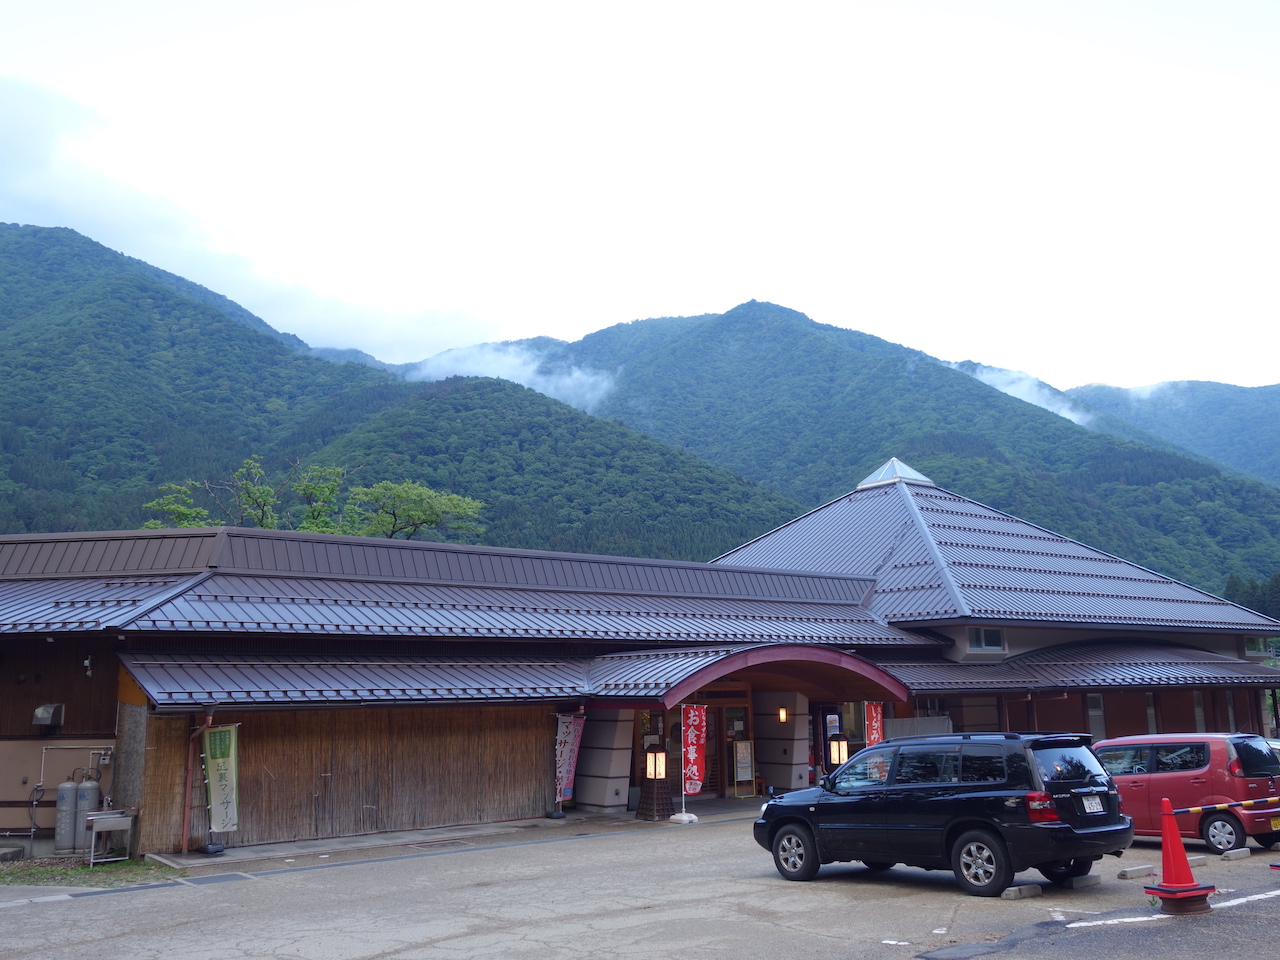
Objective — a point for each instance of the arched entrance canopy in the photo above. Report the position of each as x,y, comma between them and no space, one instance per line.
671,676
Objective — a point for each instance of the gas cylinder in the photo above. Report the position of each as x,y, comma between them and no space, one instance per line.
88,799
64,828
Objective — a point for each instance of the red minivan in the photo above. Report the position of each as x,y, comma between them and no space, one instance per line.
1197,770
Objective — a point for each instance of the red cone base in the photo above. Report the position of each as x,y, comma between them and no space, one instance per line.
1178,891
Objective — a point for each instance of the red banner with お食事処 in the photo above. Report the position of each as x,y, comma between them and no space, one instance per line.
693,747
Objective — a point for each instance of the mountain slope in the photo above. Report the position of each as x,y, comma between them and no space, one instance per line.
810,410
555,478
119,378
1239,426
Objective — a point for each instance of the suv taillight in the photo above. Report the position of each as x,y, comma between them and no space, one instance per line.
1041,808
1235,767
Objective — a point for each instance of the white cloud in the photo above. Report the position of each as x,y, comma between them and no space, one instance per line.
1026,387
575,386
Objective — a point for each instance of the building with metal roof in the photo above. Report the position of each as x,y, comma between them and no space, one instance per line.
382,685
1042,630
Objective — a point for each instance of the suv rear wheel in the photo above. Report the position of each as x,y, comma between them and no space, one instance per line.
981,864
794,853
1223,832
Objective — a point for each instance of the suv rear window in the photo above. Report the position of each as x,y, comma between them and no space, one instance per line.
1065,762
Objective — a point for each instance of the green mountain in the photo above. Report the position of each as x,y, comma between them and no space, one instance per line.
706,430
119,378
809,410
1239,426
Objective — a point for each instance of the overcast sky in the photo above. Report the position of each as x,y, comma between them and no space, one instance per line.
1085,191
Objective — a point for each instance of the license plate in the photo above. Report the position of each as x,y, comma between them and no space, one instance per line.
1092,804
1275,824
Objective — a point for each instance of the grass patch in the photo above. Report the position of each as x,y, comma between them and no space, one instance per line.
74,872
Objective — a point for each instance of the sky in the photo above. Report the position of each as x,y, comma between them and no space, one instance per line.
1085,190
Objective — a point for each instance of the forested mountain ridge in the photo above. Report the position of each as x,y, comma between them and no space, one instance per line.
120,380
1239,426
810,410
117,381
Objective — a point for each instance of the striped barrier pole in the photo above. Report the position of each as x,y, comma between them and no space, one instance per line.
1227,806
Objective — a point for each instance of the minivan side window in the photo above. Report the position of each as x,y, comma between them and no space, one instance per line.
1175,757
1123,760
981,763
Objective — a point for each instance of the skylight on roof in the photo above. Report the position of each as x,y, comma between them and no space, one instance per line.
892,472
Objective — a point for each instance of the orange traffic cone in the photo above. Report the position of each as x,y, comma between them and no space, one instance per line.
1178,891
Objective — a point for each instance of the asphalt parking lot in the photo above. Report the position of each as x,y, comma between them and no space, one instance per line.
619,889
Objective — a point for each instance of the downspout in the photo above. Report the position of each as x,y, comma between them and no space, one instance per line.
191,769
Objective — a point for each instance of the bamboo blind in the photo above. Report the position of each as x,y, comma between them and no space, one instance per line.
325,773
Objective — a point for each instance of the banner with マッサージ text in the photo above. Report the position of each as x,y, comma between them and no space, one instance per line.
875,722
221,770
694,747
568,739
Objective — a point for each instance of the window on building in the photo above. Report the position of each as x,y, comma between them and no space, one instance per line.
986,638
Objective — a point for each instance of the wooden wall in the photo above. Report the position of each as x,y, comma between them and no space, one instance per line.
309,774
34,672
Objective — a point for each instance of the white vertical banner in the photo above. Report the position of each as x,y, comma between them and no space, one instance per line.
221,771
568,739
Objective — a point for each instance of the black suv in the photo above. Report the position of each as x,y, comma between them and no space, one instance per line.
986,805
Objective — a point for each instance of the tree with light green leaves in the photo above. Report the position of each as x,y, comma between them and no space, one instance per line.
386,509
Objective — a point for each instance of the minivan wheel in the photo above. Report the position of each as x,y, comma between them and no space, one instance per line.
981,864
794,853
1065,870
1223,832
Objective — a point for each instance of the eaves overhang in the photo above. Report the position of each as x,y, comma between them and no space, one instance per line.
193,682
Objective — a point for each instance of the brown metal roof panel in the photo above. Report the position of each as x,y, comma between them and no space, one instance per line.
1196,611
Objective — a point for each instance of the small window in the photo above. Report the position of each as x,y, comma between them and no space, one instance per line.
1176,757
981,763
986,638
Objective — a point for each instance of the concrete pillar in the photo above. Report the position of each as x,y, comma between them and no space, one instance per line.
782,747
604,761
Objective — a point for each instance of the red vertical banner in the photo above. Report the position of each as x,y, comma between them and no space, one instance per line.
693,747
875,722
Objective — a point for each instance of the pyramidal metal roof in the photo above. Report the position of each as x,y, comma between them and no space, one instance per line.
938,556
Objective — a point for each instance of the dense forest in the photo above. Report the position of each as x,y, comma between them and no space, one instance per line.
122,378
1236,425
809,410
119,382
